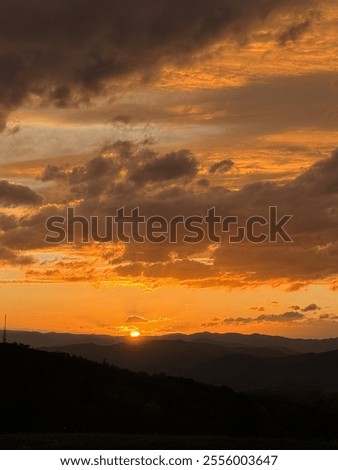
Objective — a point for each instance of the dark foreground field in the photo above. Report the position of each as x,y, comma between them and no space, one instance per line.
90,441
53,400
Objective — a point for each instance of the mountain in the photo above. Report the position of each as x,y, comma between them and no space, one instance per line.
173,357
304,372
290,345
44,392
297,345
37,339
241,368
242,362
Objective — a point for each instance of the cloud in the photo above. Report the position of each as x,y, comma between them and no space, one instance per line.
328,316
7,222
139,166
11,130
214,322
311,308
93,169
209,324
136,319
10,257
222,166
295,307
121,119
293,32
282,318
321,179
53,172
203,183
315,190
28,232
12,194
107,182
277,103
325,316
165,168
68,52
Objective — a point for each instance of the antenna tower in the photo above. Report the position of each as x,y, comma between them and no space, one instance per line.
4,338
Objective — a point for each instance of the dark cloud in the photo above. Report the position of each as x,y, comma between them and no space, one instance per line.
136,319
214,322
84,181
60,96
209,324
311,308
138,166
328,316
7,222
180,270
203,183
8,131
98,167
321,179
295,307
26,233
296,30
53,172
64,52
10,257
325,316
165,168
281,317
16,194
221,167
122,119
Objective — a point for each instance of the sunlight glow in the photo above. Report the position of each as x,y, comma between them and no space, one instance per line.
135,334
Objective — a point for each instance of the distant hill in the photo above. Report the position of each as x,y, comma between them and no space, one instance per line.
37,339
297,345
289,345
53,392
304,372
241,368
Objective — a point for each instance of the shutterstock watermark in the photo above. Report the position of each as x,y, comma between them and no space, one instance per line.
131,226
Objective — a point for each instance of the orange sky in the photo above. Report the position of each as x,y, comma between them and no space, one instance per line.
225,106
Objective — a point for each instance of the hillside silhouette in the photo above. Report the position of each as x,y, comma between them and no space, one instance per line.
52,392
241,368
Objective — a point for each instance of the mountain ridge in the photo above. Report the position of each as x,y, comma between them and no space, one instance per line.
46,339
240,368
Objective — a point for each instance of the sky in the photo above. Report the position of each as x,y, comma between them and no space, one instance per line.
173,107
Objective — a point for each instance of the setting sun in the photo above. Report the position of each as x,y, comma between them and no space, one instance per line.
135,334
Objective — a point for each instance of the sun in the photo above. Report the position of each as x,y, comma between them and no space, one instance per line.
135,334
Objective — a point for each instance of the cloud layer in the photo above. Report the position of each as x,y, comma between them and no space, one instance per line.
67,51
128,174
